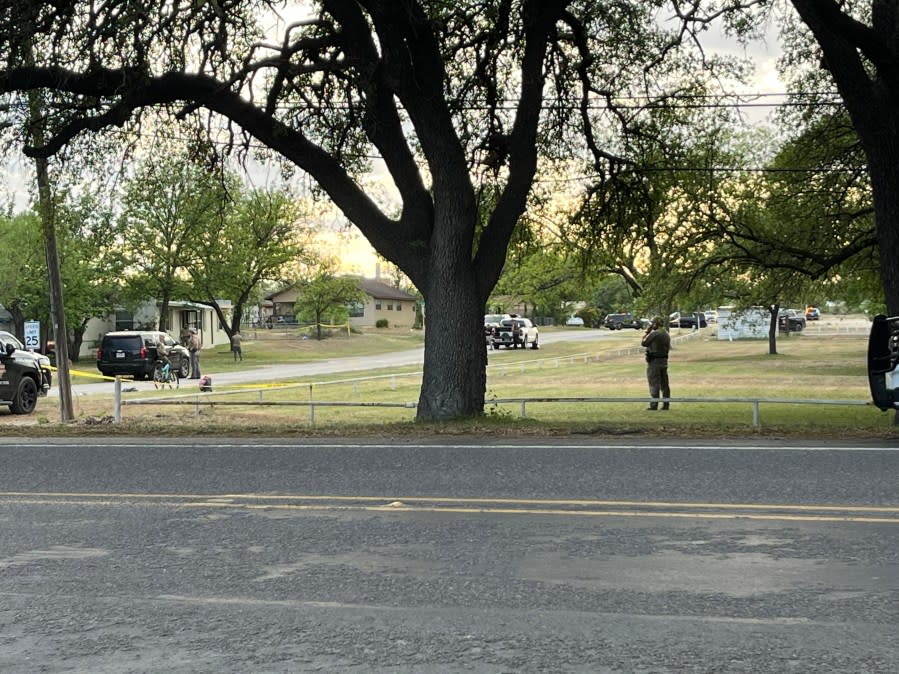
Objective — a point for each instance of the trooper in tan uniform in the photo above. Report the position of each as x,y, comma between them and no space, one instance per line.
657,342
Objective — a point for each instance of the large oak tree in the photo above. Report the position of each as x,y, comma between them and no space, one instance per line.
458,100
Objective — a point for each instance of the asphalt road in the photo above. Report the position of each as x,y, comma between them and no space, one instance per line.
296,556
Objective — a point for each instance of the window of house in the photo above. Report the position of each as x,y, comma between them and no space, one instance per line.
399,306
356,309
378,306
190,318
390,307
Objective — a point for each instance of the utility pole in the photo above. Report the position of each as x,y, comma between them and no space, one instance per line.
47,210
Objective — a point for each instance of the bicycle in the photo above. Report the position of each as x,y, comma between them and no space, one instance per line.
164,375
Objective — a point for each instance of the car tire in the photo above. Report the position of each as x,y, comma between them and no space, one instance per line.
535,345
26,397
184,369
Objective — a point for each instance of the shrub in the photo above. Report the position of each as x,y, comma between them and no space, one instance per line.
382,323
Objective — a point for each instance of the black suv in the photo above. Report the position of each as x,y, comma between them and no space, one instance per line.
132,353
619,321
24,376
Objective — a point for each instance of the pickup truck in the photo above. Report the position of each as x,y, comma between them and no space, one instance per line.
514,332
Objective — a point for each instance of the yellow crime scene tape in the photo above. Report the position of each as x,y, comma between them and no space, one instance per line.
103,377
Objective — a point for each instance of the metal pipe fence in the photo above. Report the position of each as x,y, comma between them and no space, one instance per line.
199,400
220,398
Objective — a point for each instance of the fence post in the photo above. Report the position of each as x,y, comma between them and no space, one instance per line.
523,412
756,413
117,400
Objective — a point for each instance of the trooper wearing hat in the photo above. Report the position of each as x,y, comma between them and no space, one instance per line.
193,346
657,342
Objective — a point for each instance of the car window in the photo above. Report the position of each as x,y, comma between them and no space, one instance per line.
9,338
122,342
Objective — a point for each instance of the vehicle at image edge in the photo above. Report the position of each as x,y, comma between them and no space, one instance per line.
790,320
507,335
812,313
679,320
132,353
621,321
24,376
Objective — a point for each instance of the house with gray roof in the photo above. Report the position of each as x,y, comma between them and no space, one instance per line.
382,301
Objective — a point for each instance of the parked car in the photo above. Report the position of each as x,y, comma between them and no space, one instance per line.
133,353
575,320
281,321
491,326
812,313
711,316
620,321
24,375
516,331
790,320
679,320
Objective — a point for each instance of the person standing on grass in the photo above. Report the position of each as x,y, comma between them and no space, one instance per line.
657,343
193,347
236,339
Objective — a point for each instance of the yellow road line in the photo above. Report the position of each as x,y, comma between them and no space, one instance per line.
320,503
473,500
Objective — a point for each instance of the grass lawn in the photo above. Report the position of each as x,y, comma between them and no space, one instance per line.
807,367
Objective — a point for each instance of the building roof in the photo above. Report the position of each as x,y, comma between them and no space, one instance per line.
382,291
375,289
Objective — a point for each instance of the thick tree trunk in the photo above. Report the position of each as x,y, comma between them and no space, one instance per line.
76,342
884,171
164,314
773,310
455,368
455,375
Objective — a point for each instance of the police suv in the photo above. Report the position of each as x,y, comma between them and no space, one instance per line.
24,376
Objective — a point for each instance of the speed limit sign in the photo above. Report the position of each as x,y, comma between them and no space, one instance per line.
32,335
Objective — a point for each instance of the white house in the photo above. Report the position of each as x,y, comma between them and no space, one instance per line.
181,317
382,301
